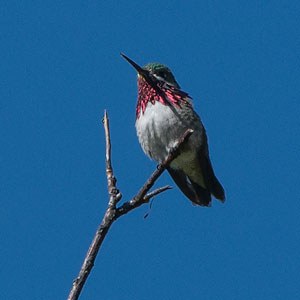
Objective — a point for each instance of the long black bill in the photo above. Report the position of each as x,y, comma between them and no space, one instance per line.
140,70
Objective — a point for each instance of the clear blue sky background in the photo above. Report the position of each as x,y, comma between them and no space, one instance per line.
60,68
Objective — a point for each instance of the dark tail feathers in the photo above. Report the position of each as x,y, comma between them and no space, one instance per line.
192,190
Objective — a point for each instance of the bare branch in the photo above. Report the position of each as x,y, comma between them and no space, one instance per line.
114,197
156,192
112,212
132,204
114,194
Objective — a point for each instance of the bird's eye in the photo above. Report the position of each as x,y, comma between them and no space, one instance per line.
162,74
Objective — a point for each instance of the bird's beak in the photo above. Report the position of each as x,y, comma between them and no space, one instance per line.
142,72
139,69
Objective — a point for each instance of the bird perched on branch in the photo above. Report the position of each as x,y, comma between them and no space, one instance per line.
163,113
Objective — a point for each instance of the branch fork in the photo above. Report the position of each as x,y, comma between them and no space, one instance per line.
113,212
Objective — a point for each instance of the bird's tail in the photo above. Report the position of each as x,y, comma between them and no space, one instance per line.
217,189
196,193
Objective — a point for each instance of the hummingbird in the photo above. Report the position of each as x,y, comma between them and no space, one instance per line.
163,113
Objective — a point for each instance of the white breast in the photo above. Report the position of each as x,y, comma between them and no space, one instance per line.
158,129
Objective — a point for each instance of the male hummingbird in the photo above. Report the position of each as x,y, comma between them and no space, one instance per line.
163,113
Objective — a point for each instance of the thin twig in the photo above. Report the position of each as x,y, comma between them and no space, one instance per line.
132,204
156,192
114,194
114,197
112,212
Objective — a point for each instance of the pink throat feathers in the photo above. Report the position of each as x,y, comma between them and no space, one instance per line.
165,93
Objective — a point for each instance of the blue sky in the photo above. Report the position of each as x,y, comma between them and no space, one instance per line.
60,68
